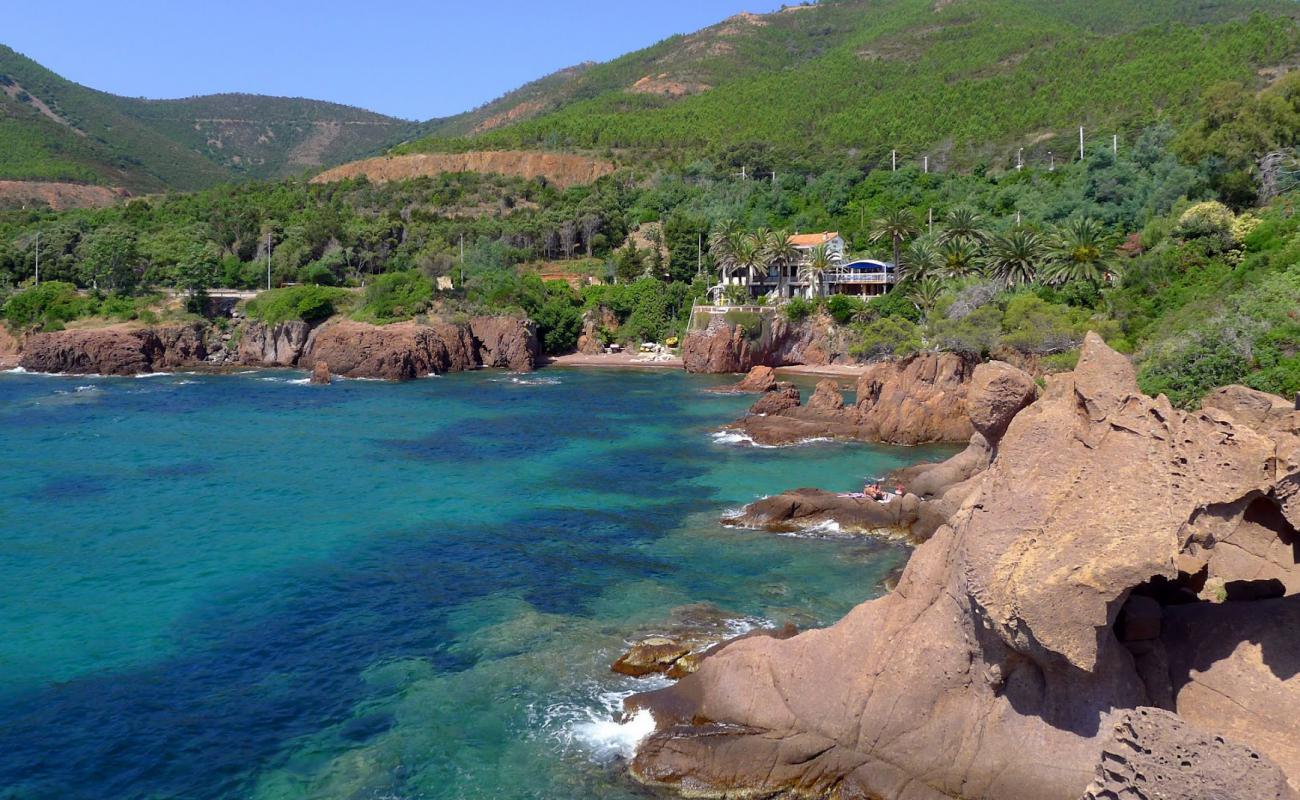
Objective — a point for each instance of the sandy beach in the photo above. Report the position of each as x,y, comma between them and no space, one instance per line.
623,360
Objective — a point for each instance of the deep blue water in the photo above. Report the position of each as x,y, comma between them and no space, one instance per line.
243,586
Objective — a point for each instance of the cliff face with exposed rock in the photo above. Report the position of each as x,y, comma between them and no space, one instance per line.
1090,619
351,349
119,350
723,346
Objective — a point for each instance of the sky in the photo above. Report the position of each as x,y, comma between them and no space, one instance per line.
405,58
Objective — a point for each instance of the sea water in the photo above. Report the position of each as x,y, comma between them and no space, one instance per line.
244,586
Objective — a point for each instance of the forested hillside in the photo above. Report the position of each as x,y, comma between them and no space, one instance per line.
965,81
54,130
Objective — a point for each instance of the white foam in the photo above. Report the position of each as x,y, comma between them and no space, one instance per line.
16,371
608,739
736,438
522,380
154,374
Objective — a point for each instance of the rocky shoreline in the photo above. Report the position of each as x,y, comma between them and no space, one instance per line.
401,351
1105,608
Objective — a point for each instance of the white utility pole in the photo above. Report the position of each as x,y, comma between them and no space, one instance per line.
1080,142
1051,162
1020,159
462,260
1114,144
893,161
699,255
268,260
38,258
931,215
927,165
1017,217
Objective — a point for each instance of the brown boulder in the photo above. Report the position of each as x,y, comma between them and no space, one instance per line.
802,509
997,392
594,322
650,657
320,373
827,398
781,397
994,670
759,379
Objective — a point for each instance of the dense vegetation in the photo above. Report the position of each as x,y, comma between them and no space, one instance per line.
54,130
1180,248
847,81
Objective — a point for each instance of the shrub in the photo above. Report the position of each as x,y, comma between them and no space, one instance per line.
395,296
1185,371
887,336
306,303
894,304
1204,220
843,308
798,309
48,306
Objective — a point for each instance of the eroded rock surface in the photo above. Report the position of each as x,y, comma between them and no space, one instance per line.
912,401
994,670
723,346
119,350
279,345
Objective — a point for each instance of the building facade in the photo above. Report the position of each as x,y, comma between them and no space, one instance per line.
861,277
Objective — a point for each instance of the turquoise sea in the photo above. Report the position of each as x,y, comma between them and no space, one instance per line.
247,587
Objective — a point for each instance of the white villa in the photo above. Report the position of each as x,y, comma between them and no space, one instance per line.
864,277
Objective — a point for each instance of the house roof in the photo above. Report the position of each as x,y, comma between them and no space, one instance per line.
812,239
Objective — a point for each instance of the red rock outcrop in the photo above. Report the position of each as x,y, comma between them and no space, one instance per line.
722,346
398,352
118,350
320,373
505,342
996,668
912,401
594,322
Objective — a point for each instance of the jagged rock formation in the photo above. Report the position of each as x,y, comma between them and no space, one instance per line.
594,321
997,668
320,373
911,401
353,349
279,345
928,493
119,350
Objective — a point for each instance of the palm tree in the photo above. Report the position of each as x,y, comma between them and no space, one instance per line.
920,261
960,258
780,252
1013,258
724,243
963,224
1080,251
896,226
925,294
820,259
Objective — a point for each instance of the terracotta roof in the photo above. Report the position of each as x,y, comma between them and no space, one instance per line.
812,239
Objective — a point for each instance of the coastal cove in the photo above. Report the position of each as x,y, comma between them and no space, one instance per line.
247,586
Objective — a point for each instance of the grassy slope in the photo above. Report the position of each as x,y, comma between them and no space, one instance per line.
150,145
973,79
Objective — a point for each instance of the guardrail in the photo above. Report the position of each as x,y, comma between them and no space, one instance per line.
725,309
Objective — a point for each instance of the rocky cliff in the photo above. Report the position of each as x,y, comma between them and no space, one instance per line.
725,346
118,350
910,401
1033,637
351,349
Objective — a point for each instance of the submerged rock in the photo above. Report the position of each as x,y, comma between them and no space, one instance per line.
995,669
650,657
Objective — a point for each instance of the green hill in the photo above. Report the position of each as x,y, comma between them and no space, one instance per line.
52,129
959,80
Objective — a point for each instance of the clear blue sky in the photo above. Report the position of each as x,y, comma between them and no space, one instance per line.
405,58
